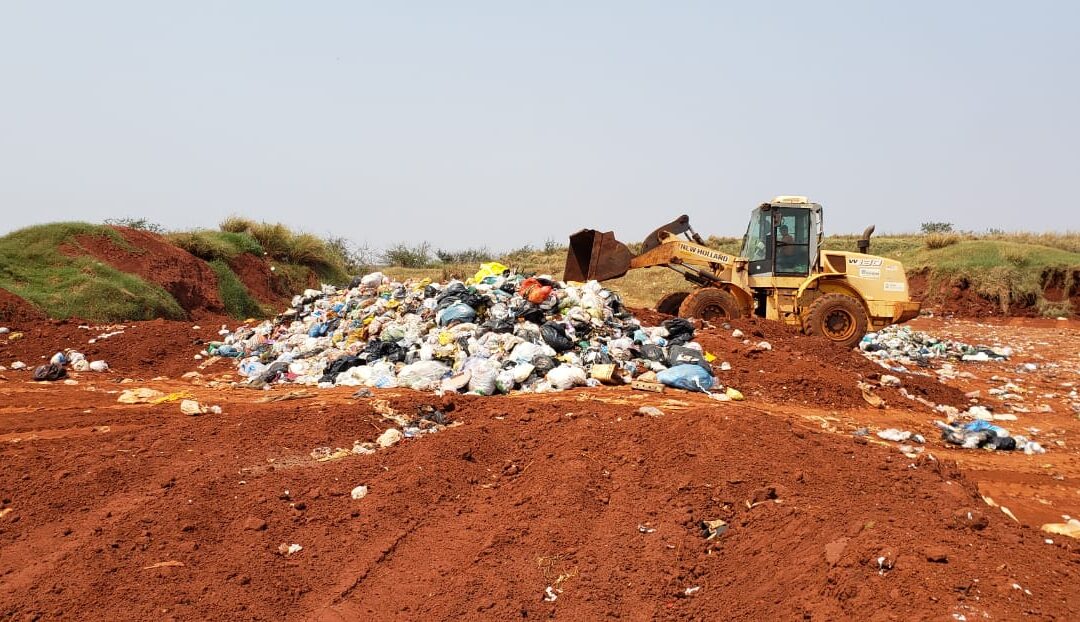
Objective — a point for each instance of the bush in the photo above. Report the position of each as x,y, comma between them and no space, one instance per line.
143,224
357,259
404,256
469,255
941,240
283,244
936,227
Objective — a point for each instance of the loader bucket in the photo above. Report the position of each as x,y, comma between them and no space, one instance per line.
595,255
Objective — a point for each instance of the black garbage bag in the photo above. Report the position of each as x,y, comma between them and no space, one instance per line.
335,367
531,313
504,325
543,364
582,329
50,372
273,371
388,350
652,352
555,336
679,330
681,355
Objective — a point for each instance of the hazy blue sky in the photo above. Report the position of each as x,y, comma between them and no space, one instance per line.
501,123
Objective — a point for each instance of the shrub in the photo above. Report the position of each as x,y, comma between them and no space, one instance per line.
941,240
143,224
469,255
283,244
404,256
936,227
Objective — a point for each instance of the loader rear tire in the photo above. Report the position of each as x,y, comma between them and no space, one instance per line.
711,304
669,305
837,317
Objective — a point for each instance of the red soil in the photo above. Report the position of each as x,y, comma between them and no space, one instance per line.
187,278
14,309
254,272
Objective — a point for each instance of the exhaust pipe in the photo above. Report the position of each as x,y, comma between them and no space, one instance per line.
864,241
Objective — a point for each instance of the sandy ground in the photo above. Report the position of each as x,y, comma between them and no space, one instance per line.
570,506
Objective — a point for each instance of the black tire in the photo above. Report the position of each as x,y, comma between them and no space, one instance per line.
669,305
711,304
837,317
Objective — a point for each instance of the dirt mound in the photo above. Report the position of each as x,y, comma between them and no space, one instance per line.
16,311
534,507
187,278
138,349
256,275
800,369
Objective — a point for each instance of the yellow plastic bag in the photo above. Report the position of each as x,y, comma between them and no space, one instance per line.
490,269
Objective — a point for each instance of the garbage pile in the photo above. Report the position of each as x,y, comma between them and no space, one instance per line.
895,347
495,333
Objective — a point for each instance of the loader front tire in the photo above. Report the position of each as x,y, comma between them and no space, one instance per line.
837,317
669,305
711,304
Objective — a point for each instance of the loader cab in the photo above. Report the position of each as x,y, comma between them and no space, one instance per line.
783,237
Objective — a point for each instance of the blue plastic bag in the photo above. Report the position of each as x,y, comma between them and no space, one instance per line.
457,312
688,377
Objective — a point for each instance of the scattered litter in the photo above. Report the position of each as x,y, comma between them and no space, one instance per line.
359,492
650,411
549,595
1071,528
690,591
390,437
172,563
289,549
644,529
139,396
713,528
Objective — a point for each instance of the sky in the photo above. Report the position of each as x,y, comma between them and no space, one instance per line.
504,123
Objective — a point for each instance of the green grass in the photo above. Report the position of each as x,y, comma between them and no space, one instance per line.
287,246
32,267
238,302
208,244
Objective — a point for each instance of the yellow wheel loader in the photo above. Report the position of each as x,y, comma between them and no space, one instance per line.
782,274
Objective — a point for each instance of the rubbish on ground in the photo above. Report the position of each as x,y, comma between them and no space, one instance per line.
897,346
549,595
359,492
690,591
713,528
645,529
890,381
1071,528
139,396
733,394
50,372
391,436
892,434
495,333
642,385
983,434
325,454
190,407
17,365
650,411
688,377
172,563
289,549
